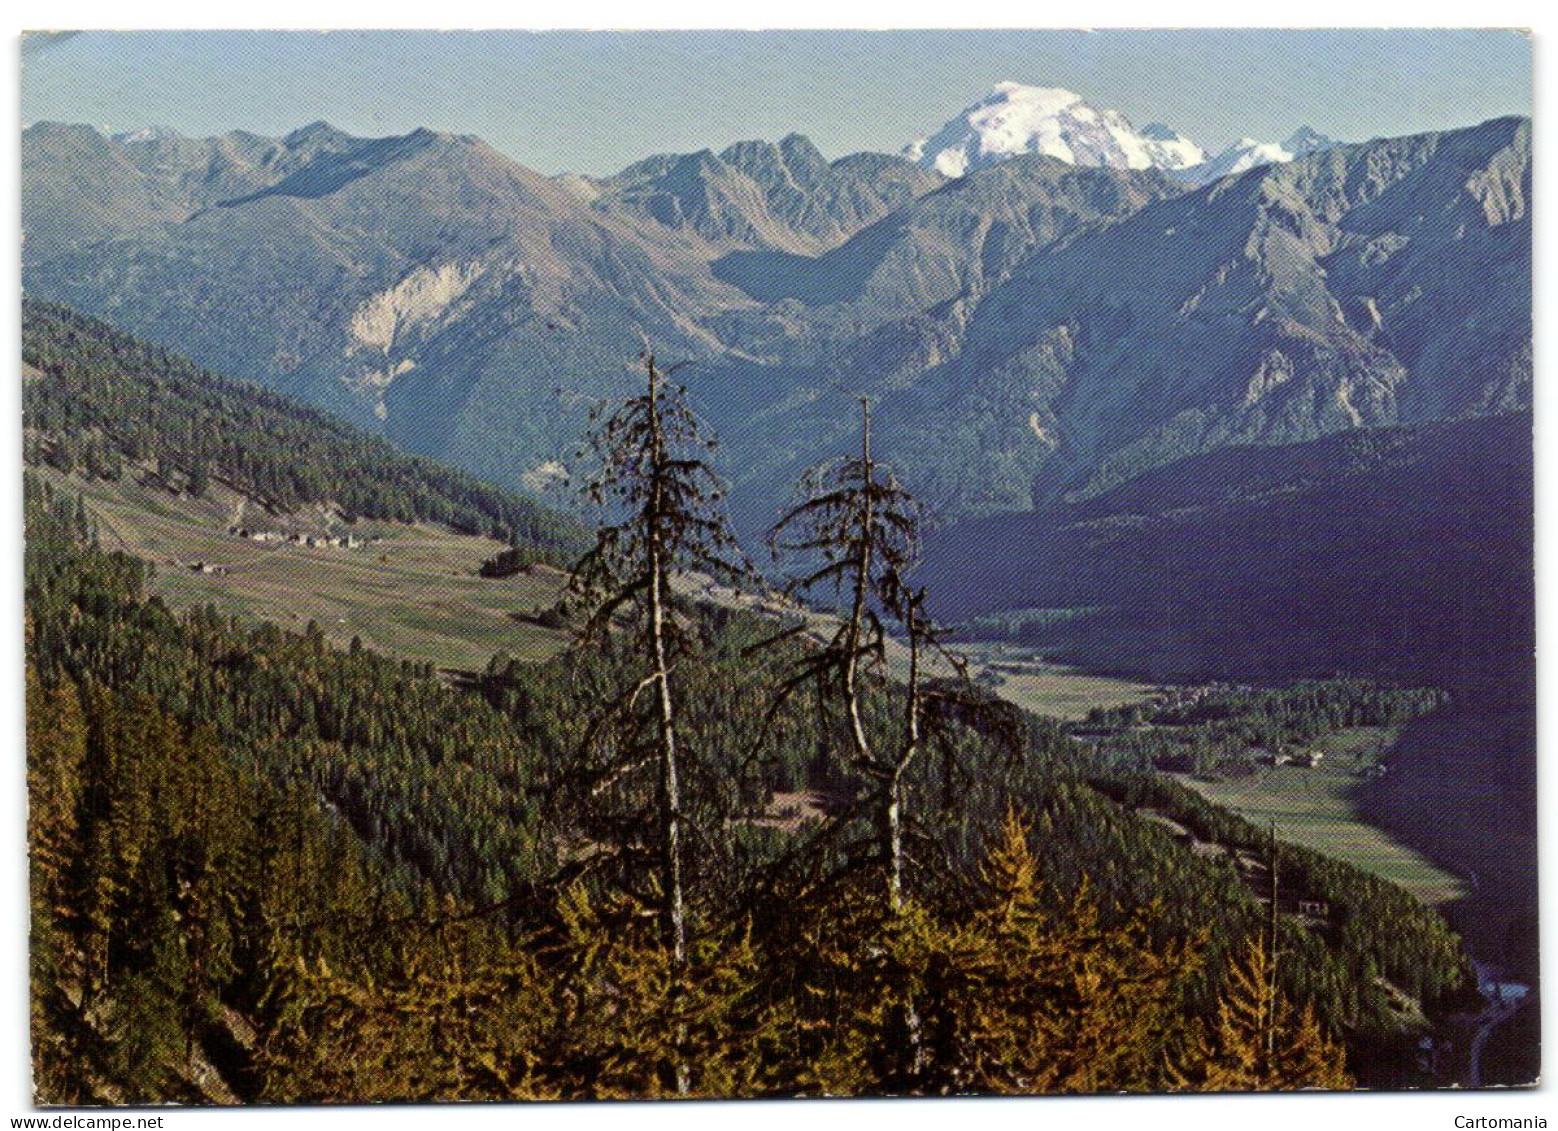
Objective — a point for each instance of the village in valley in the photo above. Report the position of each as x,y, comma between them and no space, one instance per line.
309,541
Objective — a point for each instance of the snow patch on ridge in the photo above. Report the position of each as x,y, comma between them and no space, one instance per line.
1170,149
1240,157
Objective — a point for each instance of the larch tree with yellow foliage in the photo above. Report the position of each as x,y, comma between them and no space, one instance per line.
1260,1042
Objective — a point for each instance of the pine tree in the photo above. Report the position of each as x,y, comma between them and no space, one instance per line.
460,1013
56,754
630,1021
56,751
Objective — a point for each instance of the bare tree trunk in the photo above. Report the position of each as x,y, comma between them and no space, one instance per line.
675,922
857,611
892,848
670,785
1271,988
894,833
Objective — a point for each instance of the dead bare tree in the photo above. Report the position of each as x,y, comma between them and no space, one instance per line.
662,514
859,528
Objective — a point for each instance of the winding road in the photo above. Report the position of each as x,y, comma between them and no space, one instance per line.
1504,1000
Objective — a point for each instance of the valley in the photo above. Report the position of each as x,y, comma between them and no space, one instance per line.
1026,679
415,593
1433,807
407,721
1321,807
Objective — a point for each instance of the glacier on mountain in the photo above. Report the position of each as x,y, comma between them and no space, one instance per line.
1015,119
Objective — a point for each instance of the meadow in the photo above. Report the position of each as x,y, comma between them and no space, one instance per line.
414,594
1321,808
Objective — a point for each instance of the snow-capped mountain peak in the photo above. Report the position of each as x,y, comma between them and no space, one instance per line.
147,135
1016,119
1240,157
1171,149
1041,99
1247,153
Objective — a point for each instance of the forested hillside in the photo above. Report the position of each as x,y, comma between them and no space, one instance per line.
268,868
1403,552
297,873
104,402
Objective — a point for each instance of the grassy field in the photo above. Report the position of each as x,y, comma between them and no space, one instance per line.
1019,675
415,594
1014,672
1321,808
1065,693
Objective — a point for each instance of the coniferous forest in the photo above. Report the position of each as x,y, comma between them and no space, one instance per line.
269,869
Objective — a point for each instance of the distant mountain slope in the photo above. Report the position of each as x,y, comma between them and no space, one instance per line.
1361,286
84,186
1031,328
953,242
100,399
1402,551
348,269
758,194
468,307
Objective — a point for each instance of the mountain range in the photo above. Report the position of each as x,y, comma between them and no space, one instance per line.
1035,328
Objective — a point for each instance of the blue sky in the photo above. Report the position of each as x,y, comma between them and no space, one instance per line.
593,102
